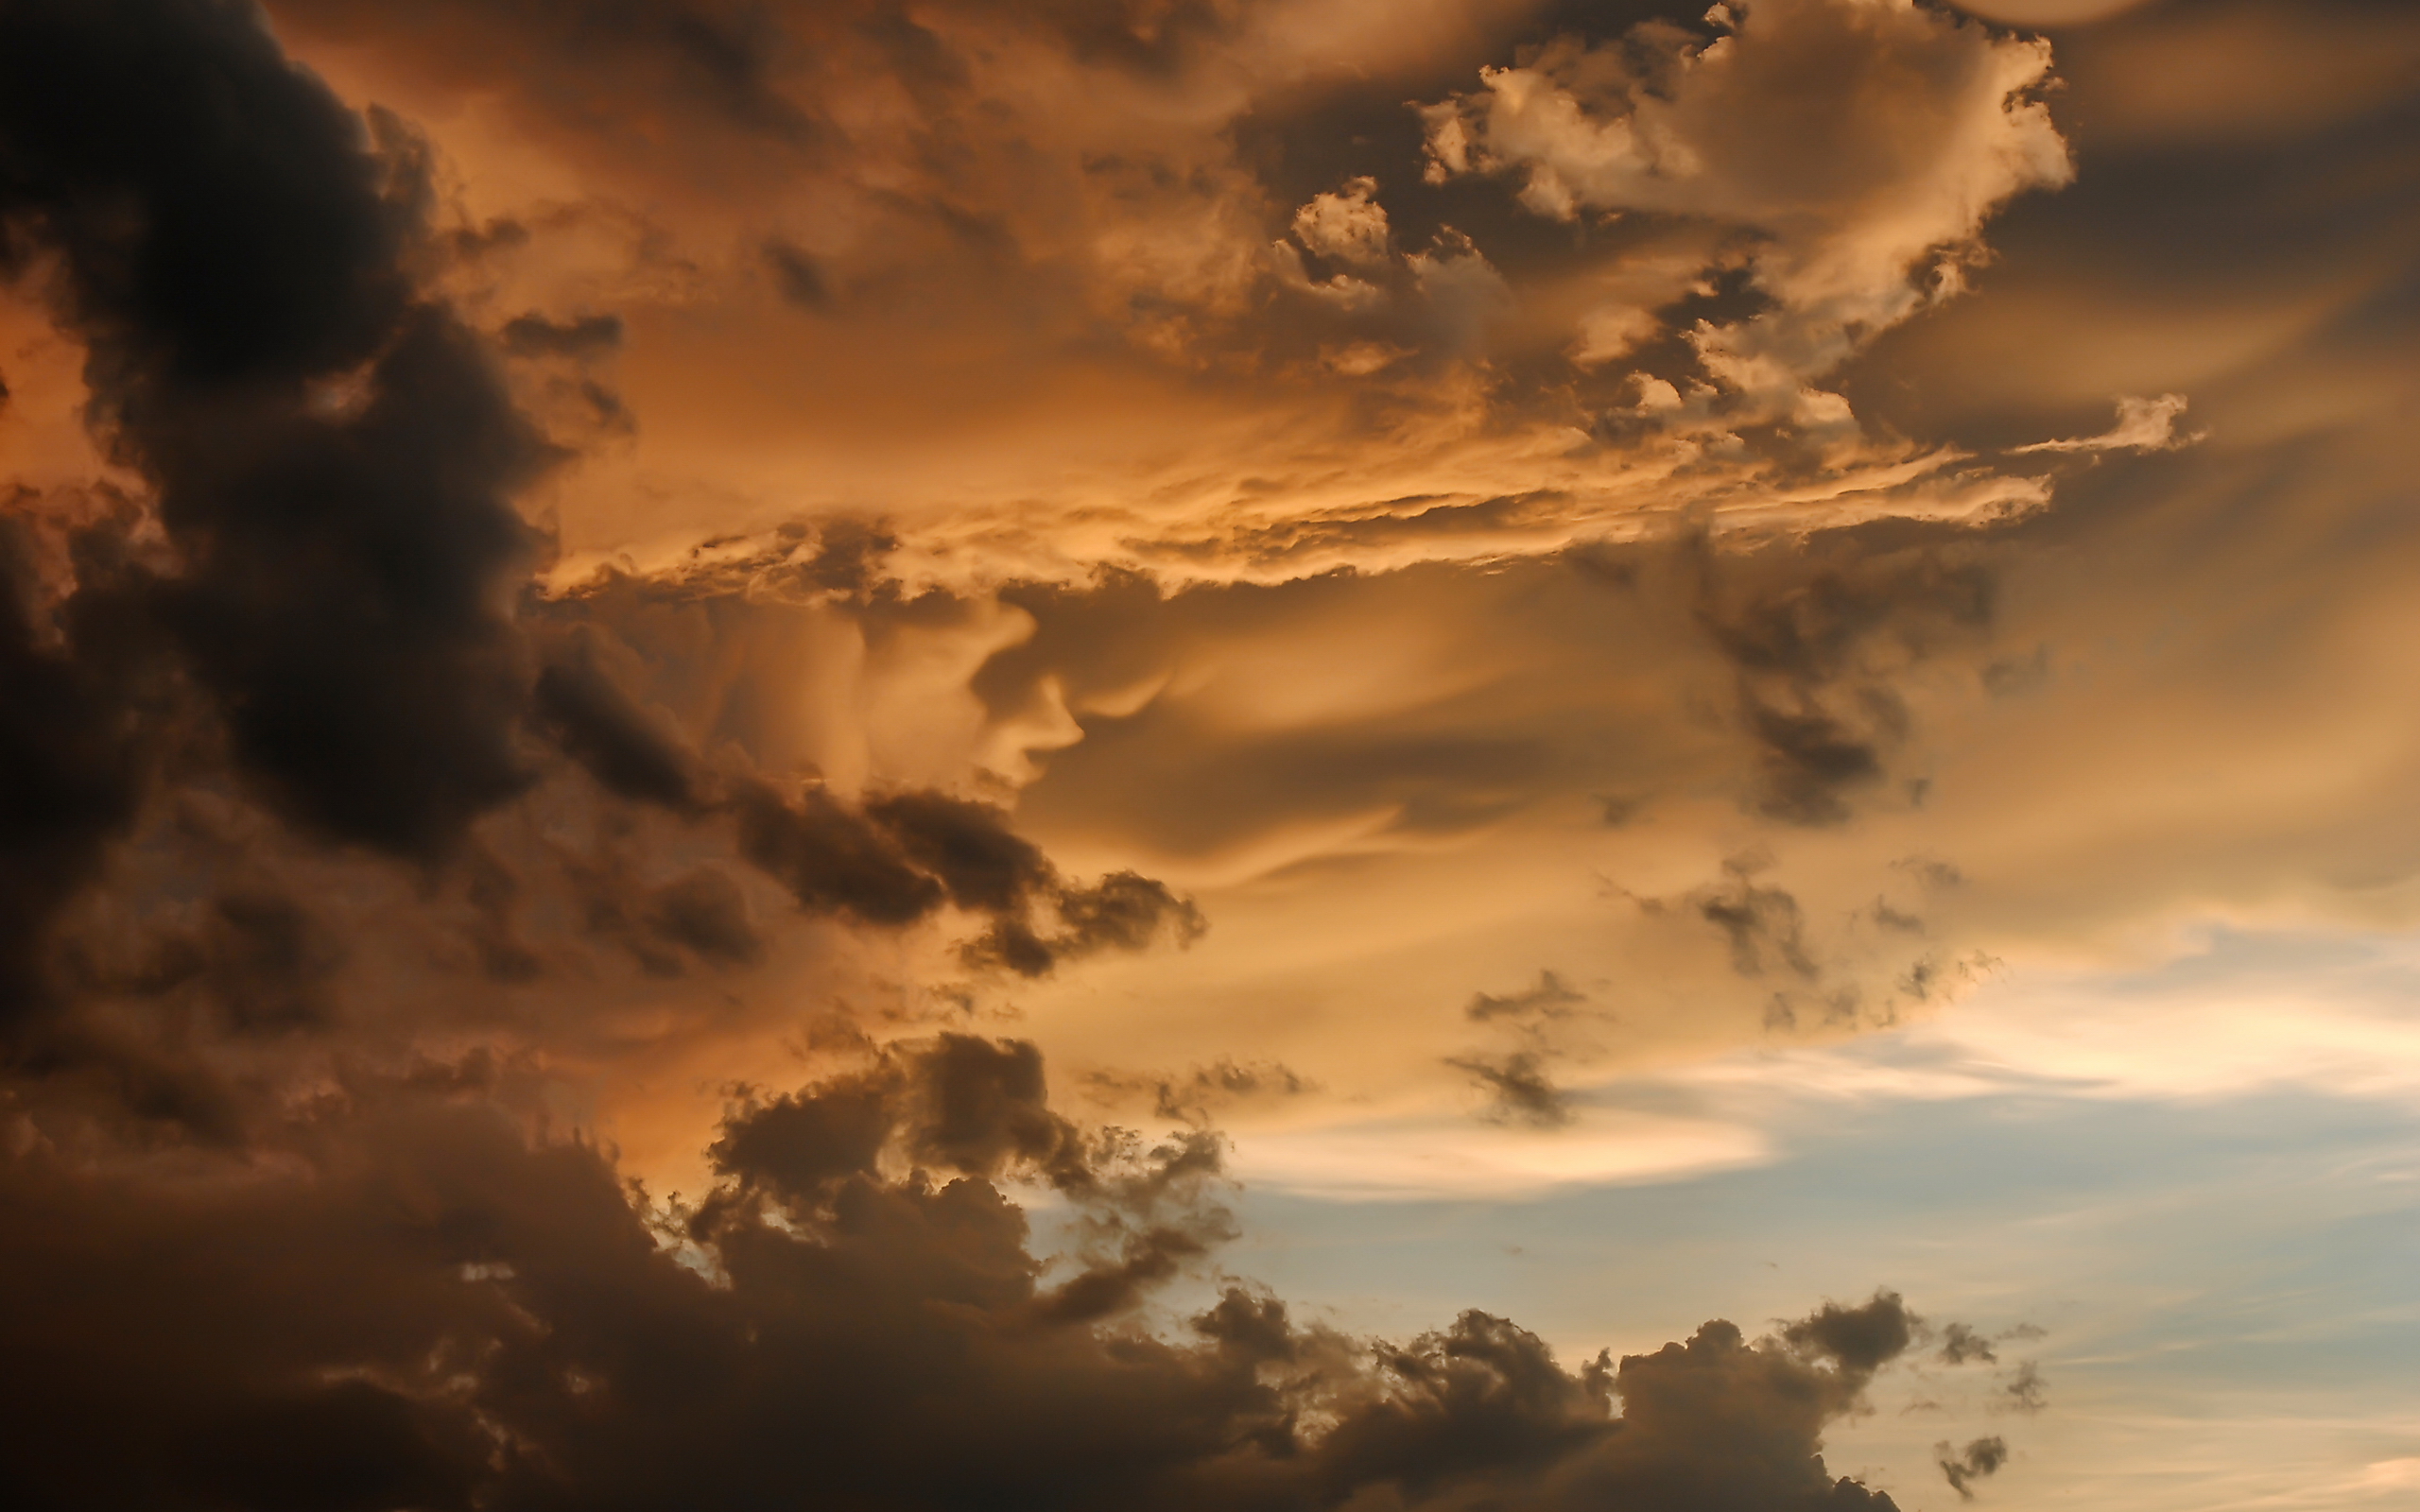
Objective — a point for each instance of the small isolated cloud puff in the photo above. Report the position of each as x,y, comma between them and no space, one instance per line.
1348,227
2143,425
1962,1469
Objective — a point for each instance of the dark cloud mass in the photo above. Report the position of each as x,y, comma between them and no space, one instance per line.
416,1305
334,455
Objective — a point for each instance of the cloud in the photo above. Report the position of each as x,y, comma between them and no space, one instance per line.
535,335
1195,331
287,639
334,456
2023,1390
1859,1339
349,857
331,458
633,754
1977,1460
1348,226
905,854
1202,1092
2143,425
415,1301
1553,997
1959,1344
1820,639
1519,1089
73,754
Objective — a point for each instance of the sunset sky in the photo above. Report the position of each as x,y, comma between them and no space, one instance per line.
1210,755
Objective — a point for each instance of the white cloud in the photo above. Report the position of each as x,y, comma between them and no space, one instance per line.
1349,227
1447,1157
2248,1016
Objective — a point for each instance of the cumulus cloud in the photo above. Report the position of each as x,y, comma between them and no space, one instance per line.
415,1302
1859,145
1977,1461
1349,226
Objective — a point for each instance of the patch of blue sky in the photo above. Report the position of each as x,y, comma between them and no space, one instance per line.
2216,1220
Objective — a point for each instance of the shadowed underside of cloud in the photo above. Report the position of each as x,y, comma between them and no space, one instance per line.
404,1301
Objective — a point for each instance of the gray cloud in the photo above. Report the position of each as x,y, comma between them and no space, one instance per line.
1519,1089
1979,1460
1959,1344
1551,998
2022,1391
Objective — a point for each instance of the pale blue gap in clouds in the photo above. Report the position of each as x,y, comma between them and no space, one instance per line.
2222,1244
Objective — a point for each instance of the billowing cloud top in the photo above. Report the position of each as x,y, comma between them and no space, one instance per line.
1203,296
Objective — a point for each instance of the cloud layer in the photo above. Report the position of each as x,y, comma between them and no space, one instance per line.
619,620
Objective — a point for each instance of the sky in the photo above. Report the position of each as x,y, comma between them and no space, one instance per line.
1224,755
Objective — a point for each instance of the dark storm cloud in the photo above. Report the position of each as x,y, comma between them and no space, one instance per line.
1123,911
334,456
831,858
71,757
705,913
417,1305
260,959
699,918
966,846
630,752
